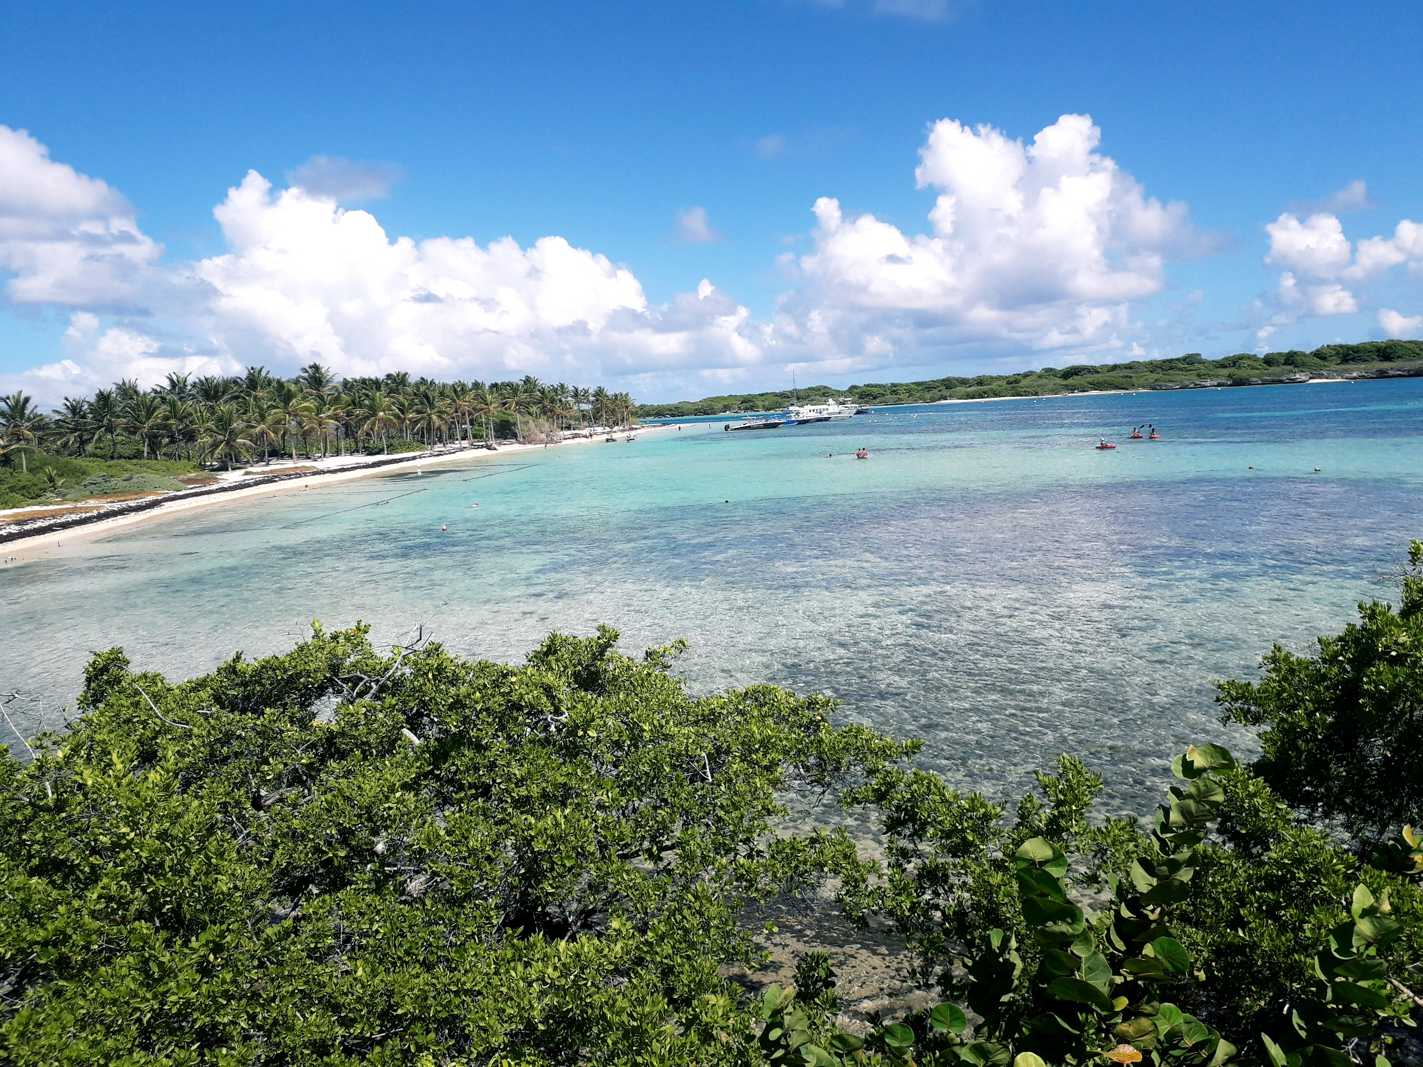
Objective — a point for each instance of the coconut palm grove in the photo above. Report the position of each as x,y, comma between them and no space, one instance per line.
222,421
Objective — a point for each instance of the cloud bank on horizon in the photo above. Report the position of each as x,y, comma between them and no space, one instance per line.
1044,246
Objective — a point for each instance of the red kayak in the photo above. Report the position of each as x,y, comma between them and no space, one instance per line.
1154,437
1105,446
1136,436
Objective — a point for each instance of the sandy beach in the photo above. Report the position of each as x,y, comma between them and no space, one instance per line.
276,477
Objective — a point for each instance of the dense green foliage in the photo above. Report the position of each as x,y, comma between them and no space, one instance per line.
1342,729
343,857
51,477
1064,984
218,420
337,856
1190,371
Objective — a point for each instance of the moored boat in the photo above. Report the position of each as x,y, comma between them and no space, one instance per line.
831,409
755,424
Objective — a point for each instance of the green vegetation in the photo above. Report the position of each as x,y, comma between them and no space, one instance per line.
339,856
228,421
51,478
1342,730
1368,359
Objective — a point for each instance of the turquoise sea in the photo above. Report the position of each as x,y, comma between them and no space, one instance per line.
986,580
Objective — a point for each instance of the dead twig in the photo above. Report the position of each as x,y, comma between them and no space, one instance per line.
1417,1000
170,722
48,788
3,705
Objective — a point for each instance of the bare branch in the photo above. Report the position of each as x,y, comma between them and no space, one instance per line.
1417,1000
170,722
3,705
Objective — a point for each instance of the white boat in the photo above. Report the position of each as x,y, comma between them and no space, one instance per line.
831,409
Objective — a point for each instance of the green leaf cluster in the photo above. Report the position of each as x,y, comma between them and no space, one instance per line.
1340,730
343,856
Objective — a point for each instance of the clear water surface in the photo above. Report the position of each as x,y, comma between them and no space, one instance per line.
986,580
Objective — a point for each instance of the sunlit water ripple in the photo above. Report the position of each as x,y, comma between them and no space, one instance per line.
986,581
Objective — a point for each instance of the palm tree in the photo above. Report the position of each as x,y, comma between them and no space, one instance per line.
583,401
315,378
526,400
212,390
485,405
457,399
256,380
424,413
72,428
182,417
106,418
294,407
20,424
176,385
146,417
127,389
266,424
53,482
224,436
378,415
10,445
320,420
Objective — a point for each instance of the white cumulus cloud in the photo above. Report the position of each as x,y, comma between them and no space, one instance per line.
1315,246
1396,324
1323,267
1043,244
66,238
304,278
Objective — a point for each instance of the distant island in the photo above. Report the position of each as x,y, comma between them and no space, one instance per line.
1369,359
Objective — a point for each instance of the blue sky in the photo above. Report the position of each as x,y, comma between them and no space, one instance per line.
678,152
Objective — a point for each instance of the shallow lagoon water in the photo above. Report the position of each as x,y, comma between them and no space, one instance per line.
986,581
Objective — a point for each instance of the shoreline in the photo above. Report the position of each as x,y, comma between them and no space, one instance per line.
45,536
1332,377
1137,392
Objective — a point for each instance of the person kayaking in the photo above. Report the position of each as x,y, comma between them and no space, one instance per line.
862,453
